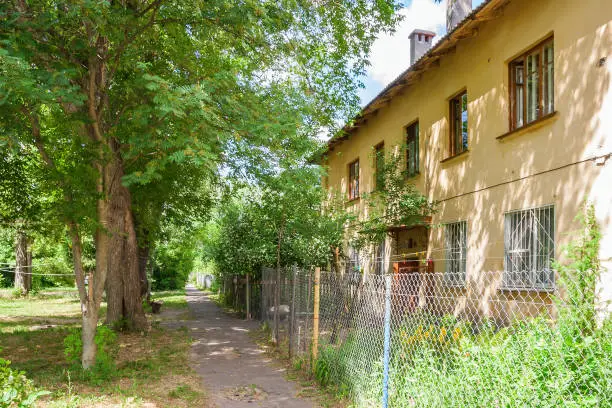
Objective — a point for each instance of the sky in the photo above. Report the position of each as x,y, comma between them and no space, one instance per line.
391,53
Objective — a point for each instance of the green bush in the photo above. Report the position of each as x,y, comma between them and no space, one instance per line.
15,389
106,341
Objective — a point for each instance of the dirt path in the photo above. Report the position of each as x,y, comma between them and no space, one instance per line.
234,369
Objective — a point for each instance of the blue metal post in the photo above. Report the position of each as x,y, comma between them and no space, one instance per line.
385,398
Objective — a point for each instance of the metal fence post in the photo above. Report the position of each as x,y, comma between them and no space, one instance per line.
315,317
292,316
387,349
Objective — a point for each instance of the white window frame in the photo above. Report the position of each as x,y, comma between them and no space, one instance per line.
455,242
529,249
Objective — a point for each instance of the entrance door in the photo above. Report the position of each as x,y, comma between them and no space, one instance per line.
406,285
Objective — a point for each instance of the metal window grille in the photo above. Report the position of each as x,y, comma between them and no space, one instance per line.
456,252
529,249
379,259
353,264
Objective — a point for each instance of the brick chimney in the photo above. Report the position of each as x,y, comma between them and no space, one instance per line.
456,11
420,43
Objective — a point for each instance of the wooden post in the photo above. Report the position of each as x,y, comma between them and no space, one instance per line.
248,298
315,317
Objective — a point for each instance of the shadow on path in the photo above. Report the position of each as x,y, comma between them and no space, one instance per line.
234,369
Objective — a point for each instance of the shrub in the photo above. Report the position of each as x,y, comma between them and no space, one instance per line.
106,341
15,389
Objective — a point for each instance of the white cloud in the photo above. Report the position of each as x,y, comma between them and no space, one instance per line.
391,53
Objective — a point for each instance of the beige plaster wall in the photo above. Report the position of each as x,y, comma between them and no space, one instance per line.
545,164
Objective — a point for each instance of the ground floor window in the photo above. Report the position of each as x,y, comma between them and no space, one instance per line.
529,241
455,235
353,262
379,259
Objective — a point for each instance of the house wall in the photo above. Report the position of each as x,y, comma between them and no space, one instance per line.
544,164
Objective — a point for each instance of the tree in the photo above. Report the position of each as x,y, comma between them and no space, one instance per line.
20,207
163,82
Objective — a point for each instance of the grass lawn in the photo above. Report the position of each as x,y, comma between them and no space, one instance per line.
152,368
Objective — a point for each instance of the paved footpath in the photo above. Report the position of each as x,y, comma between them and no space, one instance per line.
235,371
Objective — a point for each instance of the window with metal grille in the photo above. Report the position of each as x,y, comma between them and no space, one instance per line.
532,85
529,237
458,124
353,263
354,180
456,252
379,259
412,150
379,164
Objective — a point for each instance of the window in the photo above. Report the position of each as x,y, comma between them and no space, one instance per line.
354,180
458,124
353,262
379,167
529,249
379,260
456,252
412,150
532,85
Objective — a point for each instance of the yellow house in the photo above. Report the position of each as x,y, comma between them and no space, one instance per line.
507,125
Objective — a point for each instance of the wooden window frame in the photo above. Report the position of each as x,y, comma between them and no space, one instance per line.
453,151
540,114
379,184
416,136
352,194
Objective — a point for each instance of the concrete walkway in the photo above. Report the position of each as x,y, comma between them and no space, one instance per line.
235,371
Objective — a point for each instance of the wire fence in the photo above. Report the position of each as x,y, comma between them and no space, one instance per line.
419,338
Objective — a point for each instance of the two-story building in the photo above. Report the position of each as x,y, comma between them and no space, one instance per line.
505,123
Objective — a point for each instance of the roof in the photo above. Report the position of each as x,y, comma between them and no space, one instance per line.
467,28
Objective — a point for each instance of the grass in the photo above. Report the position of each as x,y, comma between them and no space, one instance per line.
152,368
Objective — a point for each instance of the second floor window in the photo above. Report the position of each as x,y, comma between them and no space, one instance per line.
412,150
458,124
379,167
532,85
354,180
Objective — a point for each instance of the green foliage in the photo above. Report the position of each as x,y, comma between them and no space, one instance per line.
397,203
580,276
106,342
15,389
278,220
444,362
173,259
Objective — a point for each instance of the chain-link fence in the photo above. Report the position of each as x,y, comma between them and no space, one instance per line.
427,339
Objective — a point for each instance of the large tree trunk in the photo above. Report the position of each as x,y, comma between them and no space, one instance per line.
22,274
123,285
